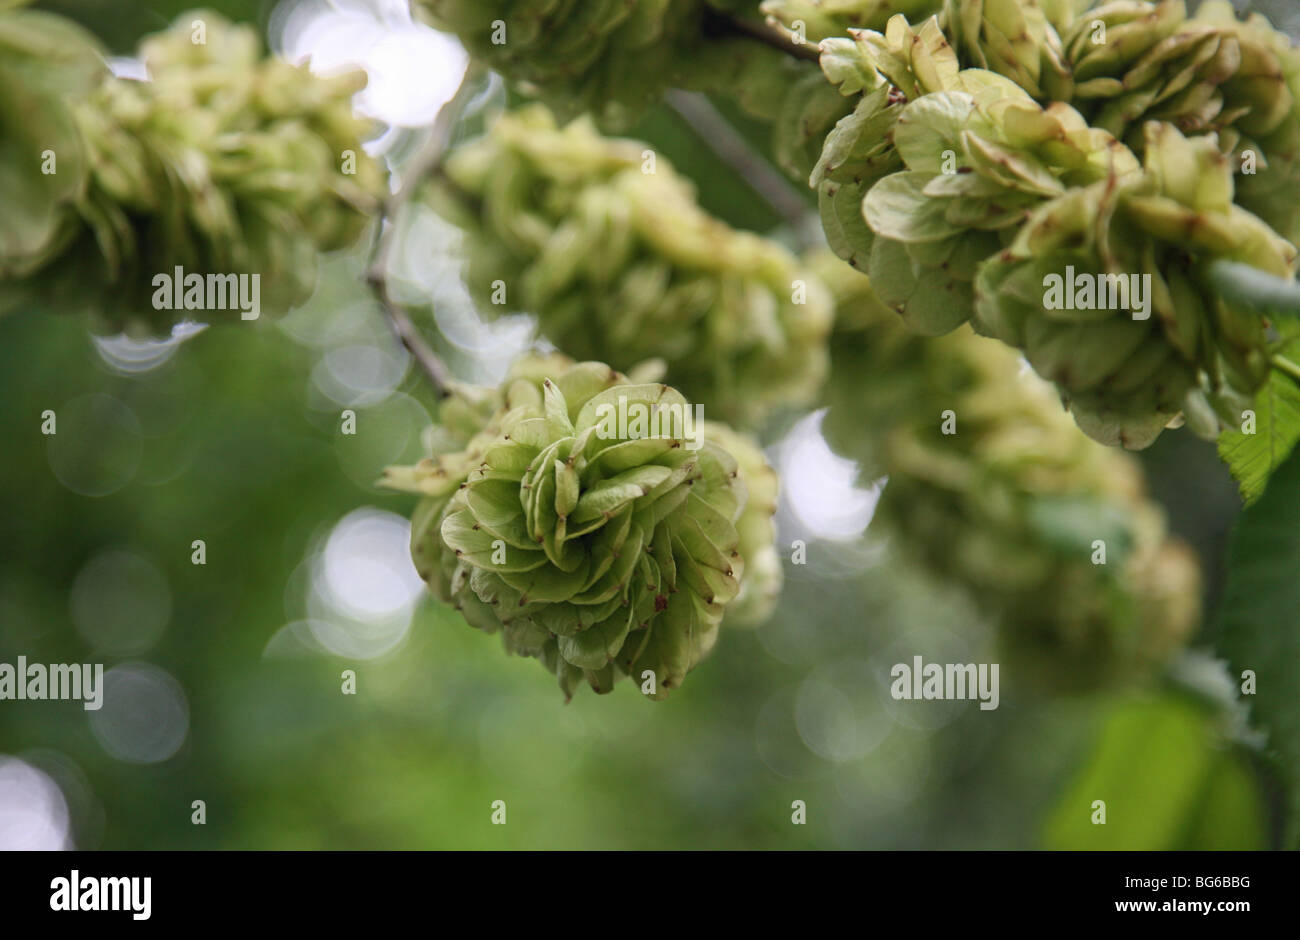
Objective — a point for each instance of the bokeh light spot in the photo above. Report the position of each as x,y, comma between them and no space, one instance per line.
145,716
819,486
33,812
96,447
120,603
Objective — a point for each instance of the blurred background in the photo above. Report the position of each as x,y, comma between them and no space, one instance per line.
223,681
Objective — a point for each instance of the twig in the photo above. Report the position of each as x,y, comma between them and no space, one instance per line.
1285,365
1254,289
423,164
715,132
765,34
435,370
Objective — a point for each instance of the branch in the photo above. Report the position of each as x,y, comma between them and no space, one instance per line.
1286,366
761,32
1254,289
426,162
434,369
715,132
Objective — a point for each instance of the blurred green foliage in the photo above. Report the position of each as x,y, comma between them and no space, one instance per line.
1160,783
1259,620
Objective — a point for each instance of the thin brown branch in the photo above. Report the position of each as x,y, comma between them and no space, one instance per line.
713,130
425,163
430,363
770,36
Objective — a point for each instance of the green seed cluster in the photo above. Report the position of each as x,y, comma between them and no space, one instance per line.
960,194
223,162
1124,378
1121,63
590,542
606,244
1013,501
607,58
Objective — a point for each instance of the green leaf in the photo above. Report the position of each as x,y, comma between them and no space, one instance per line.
1259,626
1234,818
1253,458
1161,771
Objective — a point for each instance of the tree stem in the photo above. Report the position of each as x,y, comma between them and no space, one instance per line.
761,32
430,363
1255,289
1283,364
714,131
426,162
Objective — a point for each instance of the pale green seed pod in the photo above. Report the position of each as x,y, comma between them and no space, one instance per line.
760,588
1015,38
619,263
222,163
977,153
879,73
1126,367
594,524
1266,154
1120,64
1135,62
1127,62
998,194
1050,532
608,58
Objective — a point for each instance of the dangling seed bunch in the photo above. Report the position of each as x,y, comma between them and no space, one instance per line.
590,540
1120,63
608,58
619,263
612,57
223,162
990,485
46,62
944,180
1124,64
1149,236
